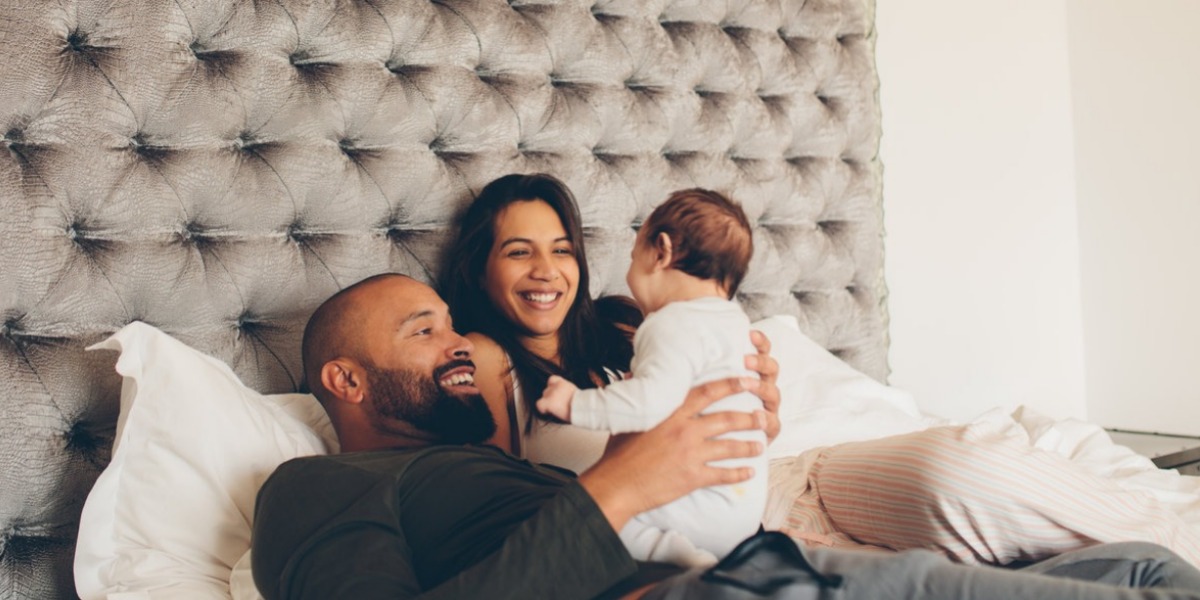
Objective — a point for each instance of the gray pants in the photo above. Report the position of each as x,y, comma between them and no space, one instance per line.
770,565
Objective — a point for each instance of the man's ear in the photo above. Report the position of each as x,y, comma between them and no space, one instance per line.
344,380
663,250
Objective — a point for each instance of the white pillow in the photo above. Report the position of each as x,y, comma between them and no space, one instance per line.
825,401
171,514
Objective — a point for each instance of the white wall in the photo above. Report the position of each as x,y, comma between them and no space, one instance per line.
1042,201
982,253
1135,69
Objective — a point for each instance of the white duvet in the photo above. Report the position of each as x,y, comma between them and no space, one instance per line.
827,402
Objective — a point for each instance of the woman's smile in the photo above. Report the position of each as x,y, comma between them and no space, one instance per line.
532,273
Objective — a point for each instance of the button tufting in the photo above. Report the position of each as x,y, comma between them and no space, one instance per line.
246,323
141,145
83,239
350,148
245,142
14,136
77,41
195,234
831,228
81,440
304,62
397,234
397,67
212,57
298,233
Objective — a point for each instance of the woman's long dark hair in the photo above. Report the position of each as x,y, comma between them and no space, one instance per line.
594,334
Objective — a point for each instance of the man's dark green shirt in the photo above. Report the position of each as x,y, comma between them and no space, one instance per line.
438,522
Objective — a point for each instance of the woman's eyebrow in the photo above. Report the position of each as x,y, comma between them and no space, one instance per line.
520,240
515,240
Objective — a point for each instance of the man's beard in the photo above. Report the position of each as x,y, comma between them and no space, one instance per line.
419,401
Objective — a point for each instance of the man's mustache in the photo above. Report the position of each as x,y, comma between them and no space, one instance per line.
450,366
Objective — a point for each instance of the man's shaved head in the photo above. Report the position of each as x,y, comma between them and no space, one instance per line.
383,358
336,330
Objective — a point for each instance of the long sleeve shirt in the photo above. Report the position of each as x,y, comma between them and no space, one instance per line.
679,346
439,522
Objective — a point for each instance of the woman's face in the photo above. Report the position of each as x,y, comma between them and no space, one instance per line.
532,276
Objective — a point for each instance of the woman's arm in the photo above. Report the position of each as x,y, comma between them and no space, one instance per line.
494,378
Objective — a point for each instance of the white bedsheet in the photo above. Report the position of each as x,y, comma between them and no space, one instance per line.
827,402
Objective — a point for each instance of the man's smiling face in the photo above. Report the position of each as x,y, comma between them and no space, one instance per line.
419,370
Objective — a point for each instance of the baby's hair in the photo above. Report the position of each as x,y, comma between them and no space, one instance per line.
710,236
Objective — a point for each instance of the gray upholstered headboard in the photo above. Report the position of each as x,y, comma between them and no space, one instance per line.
218,167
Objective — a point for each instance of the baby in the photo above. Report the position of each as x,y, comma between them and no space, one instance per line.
689,257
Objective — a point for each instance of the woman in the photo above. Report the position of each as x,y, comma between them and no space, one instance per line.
519,282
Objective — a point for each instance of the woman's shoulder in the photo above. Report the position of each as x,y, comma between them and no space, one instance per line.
489,357
484,344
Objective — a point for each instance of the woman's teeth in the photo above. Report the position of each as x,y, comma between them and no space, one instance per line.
459,379
540,297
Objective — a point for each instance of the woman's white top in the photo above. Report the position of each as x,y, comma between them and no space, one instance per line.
558,444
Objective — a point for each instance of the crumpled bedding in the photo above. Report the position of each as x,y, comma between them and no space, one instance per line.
826,402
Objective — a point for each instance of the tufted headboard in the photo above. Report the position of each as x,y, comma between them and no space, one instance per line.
216,168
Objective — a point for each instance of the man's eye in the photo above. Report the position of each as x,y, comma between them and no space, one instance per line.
425,331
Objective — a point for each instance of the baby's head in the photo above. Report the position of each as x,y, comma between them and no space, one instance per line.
697,232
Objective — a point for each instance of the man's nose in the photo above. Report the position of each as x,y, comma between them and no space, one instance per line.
462,347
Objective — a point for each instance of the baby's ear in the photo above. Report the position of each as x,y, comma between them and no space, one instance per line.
665,251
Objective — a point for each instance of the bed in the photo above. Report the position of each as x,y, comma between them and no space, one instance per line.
214,169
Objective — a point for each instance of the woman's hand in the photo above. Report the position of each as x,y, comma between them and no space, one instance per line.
768,370
640,471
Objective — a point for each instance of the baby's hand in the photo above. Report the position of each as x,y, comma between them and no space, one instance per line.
556,400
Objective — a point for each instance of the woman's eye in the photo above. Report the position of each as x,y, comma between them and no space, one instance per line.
518,253
564,251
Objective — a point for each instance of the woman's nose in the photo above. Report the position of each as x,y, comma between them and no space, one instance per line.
544,269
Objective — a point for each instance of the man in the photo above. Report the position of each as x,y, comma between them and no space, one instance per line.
411,508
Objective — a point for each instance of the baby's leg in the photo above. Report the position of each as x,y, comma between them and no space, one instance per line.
649,543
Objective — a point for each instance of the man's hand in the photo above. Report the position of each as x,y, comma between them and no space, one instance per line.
768,370
640,471
556,400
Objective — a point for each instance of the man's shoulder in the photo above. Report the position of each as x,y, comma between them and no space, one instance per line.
376,464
